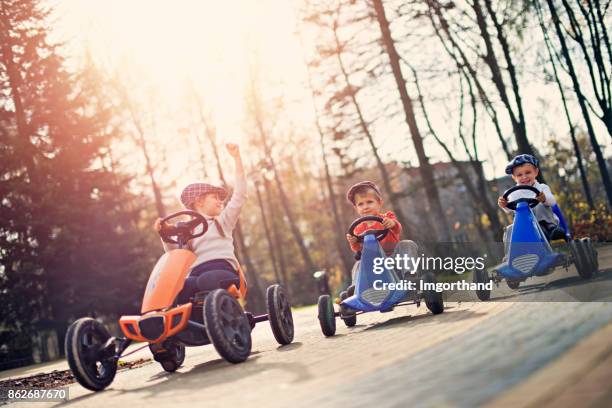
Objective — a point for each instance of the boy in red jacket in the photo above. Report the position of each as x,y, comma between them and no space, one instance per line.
366,199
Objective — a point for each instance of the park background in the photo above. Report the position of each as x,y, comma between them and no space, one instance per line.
108,108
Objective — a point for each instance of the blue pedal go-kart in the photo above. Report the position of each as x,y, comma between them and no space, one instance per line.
530,252
365,296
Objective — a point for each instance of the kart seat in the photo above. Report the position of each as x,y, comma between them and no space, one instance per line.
552,232
217,279
556,233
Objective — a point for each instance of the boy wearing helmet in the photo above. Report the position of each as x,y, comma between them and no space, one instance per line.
524,169
216,259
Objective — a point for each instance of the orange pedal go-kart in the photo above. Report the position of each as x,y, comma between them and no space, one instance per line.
215,317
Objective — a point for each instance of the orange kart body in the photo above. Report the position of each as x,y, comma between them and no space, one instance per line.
165,283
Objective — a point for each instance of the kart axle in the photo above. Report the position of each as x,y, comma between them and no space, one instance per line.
115,346
260,318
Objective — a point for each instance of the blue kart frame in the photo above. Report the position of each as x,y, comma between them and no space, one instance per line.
366,296
530,252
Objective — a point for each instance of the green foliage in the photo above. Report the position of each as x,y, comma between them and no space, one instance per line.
69,241
567,186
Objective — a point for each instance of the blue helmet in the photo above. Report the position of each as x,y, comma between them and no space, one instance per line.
520,160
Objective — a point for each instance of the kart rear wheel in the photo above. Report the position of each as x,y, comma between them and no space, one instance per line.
513,284
92,368
581,259
347,315
433,299
591,254
227,326
327,318
482,276
279,314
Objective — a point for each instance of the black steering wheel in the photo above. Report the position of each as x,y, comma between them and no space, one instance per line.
183,229
532,202
380,234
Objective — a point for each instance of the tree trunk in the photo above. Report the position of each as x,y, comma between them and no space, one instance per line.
258,300
14,79
600,82
142,143
480,198
264,220
518,123
276,236
297,234
425,168
605,176
364,127
521,137
284,200
159,204
464,65
581,169
341,244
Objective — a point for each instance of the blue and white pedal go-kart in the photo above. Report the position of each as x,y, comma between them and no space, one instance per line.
530,252
365,296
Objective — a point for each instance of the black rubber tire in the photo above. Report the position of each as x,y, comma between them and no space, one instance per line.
513,284
90,372
279,314
349,319
482,276
595,256
583,265
327,318
227,326
175,358
591,254
433,299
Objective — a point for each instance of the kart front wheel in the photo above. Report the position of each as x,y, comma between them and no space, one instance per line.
327,318
170,355
581,258
433,299
349,317
90,363
279,314
482,276
591,254
227,326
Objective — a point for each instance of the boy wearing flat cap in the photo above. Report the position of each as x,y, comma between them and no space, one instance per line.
216,259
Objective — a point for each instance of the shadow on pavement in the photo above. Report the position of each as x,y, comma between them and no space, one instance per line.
576,287
456,315
289,347
213,373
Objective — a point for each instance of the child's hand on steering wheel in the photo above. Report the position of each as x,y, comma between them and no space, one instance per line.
540,197
351,239
233,149
388,223
502,202
159,225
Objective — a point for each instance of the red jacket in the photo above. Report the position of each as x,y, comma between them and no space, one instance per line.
392,238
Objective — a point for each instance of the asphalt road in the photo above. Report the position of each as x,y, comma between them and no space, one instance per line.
473,354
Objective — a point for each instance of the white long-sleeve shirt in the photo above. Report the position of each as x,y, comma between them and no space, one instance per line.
542,211
212,245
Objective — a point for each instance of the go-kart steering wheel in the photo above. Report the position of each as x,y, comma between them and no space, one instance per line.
183,229
380,234
532,202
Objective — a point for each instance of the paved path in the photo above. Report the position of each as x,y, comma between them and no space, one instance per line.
496,353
